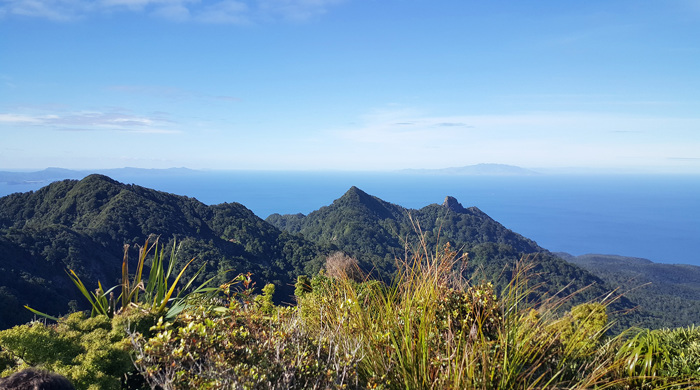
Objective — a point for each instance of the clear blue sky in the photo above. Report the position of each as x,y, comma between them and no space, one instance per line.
350,84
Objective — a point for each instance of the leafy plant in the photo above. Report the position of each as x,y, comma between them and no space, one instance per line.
93,352
157,291
662,358
251,345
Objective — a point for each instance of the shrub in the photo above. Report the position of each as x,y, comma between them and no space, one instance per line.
248,346
340,265
667,358
94,353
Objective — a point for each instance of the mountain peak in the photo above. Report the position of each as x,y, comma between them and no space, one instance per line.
452,204
356,194
355,190
356,198
95,177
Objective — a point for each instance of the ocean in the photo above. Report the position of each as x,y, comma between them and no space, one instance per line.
653,217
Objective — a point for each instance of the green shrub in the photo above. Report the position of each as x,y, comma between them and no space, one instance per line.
247,346
94,353
662,358
582,328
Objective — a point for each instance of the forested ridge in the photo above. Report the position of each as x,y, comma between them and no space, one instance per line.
466,303
84,225
377,232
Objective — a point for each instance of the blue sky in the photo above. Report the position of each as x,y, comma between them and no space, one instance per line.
350,84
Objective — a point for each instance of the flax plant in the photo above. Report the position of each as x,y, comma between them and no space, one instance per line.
155,294
157,290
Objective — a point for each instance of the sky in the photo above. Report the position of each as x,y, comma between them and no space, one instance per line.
350,85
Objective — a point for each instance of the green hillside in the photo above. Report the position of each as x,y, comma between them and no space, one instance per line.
84,225
377,232
345,331
669,294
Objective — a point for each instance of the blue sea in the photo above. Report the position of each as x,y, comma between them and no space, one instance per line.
653,217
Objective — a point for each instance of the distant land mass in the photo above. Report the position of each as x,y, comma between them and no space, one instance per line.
476,170
669,293
52,174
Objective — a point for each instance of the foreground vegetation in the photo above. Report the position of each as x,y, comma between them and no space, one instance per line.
429,329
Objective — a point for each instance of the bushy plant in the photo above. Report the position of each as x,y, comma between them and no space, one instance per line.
662,358
250,345
156,292
93,352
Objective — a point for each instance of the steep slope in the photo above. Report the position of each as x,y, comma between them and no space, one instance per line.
669,293
377,232
83,225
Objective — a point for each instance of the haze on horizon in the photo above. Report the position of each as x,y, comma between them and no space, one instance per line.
350,84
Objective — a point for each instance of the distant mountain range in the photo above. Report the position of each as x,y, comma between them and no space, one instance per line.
83,225
49,175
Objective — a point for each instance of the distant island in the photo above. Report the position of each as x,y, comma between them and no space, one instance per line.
476,170
52,174
49,175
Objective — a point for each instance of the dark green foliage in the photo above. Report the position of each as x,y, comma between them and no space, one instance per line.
357,224
669,294
83,225
251,345
33,265
94,353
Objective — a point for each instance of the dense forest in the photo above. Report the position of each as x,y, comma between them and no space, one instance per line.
668,293
84,225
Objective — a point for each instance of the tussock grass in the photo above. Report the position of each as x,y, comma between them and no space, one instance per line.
432,329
